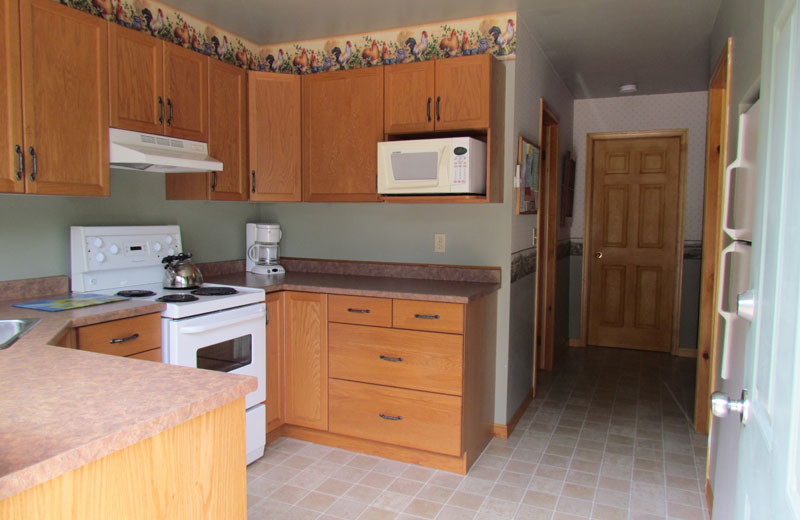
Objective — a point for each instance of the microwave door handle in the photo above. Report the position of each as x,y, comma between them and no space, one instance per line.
199,329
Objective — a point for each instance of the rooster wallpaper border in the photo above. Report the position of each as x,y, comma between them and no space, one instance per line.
494,34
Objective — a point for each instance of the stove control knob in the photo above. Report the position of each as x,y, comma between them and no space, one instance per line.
97,242
114,249
100,257
168,240
156,246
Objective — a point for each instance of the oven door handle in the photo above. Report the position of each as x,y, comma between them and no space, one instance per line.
199,329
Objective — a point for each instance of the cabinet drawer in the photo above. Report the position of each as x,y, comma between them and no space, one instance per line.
136,334
148,355
433,316
360,310
406,358
408,418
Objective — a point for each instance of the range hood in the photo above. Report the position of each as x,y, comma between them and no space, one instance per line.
157,153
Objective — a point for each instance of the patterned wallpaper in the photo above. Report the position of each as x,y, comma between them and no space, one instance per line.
495,34
653,112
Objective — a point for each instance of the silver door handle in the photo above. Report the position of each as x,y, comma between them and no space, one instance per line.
598,255
746,305
722,405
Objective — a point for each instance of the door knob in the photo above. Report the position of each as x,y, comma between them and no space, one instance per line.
722,405
598,254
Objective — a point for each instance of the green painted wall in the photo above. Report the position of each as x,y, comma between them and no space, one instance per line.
34,234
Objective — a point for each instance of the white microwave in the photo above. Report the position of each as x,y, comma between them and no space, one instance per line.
452,165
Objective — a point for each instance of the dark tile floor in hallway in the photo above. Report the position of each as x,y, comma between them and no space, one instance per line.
608,437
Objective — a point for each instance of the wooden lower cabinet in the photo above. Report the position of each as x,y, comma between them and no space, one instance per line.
275,361
194,470
306,359
138,337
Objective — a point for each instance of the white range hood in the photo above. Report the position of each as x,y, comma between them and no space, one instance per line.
157,153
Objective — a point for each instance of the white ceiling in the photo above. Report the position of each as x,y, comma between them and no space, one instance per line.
595,45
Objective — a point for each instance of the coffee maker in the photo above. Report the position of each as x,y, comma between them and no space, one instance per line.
263,253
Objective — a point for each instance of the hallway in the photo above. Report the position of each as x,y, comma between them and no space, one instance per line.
606,438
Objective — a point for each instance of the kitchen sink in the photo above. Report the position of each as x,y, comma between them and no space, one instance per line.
12,330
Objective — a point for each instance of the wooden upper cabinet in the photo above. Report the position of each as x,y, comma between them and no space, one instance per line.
136,80
227,132
11,145
186,93
65,99
274,132
342,125
463,93
306,359
409,98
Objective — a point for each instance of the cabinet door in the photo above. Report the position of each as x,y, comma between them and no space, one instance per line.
342,125
274,402
463,92
186,92
227,132
306,352
65,99
136,80
11,174
409,98
274,123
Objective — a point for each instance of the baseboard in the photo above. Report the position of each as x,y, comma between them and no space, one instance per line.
686,352
575,342
502,431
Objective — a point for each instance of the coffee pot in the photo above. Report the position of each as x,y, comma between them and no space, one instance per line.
263,252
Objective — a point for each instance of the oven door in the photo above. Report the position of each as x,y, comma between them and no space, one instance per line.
232,340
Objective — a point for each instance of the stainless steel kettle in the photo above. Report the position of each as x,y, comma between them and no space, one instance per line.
180,273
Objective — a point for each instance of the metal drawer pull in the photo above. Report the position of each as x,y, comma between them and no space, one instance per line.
171,112
429,109
427,316
214,182
358,311
161,110
253,183
21,159
392,359
123,340
391,417
438,102
35,163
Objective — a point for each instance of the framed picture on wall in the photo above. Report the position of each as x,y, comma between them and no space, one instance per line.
528,159
567,187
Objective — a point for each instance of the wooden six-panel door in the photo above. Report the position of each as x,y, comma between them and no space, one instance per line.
65,99
12,149
409,97
635,232
274,130
186,92
136,80
306,359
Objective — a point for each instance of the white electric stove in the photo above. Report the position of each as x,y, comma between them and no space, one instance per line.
212,327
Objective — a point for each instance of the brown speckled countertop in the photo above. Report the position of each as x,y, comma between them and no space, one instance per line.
378,286
62,408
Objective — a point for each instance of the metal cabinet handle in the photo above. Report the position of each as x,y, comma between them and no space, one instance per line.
35,166
214,181
358,311
253,182
171,112
429,109
391,417
598,255
21,165
427,316
123,340
392,359
438,102
161,110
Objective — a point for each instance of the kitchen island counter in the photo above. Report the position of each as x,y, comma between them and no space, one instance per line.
64,408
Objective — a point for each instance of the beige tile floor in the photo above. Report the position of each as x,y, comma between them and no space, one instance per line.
607,438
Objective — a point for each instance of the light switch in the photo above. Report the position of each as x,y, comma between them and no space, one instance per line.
439,242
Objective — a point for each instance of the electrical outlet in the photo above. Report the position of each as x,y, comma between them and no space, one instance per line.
439,242
533,240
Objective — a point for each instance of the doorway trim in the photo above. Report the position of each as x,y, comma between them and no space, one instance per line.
589,186
547,224
716,161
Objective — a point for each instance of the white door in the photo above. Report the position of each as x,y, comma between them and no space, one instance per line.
769,463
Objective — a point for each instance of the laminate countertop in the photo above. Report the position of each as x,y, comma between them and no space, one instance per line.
377,286
62,408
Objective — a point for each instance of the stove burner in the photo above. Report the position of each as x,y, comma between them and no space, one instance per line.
214,291
135,293
177,298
